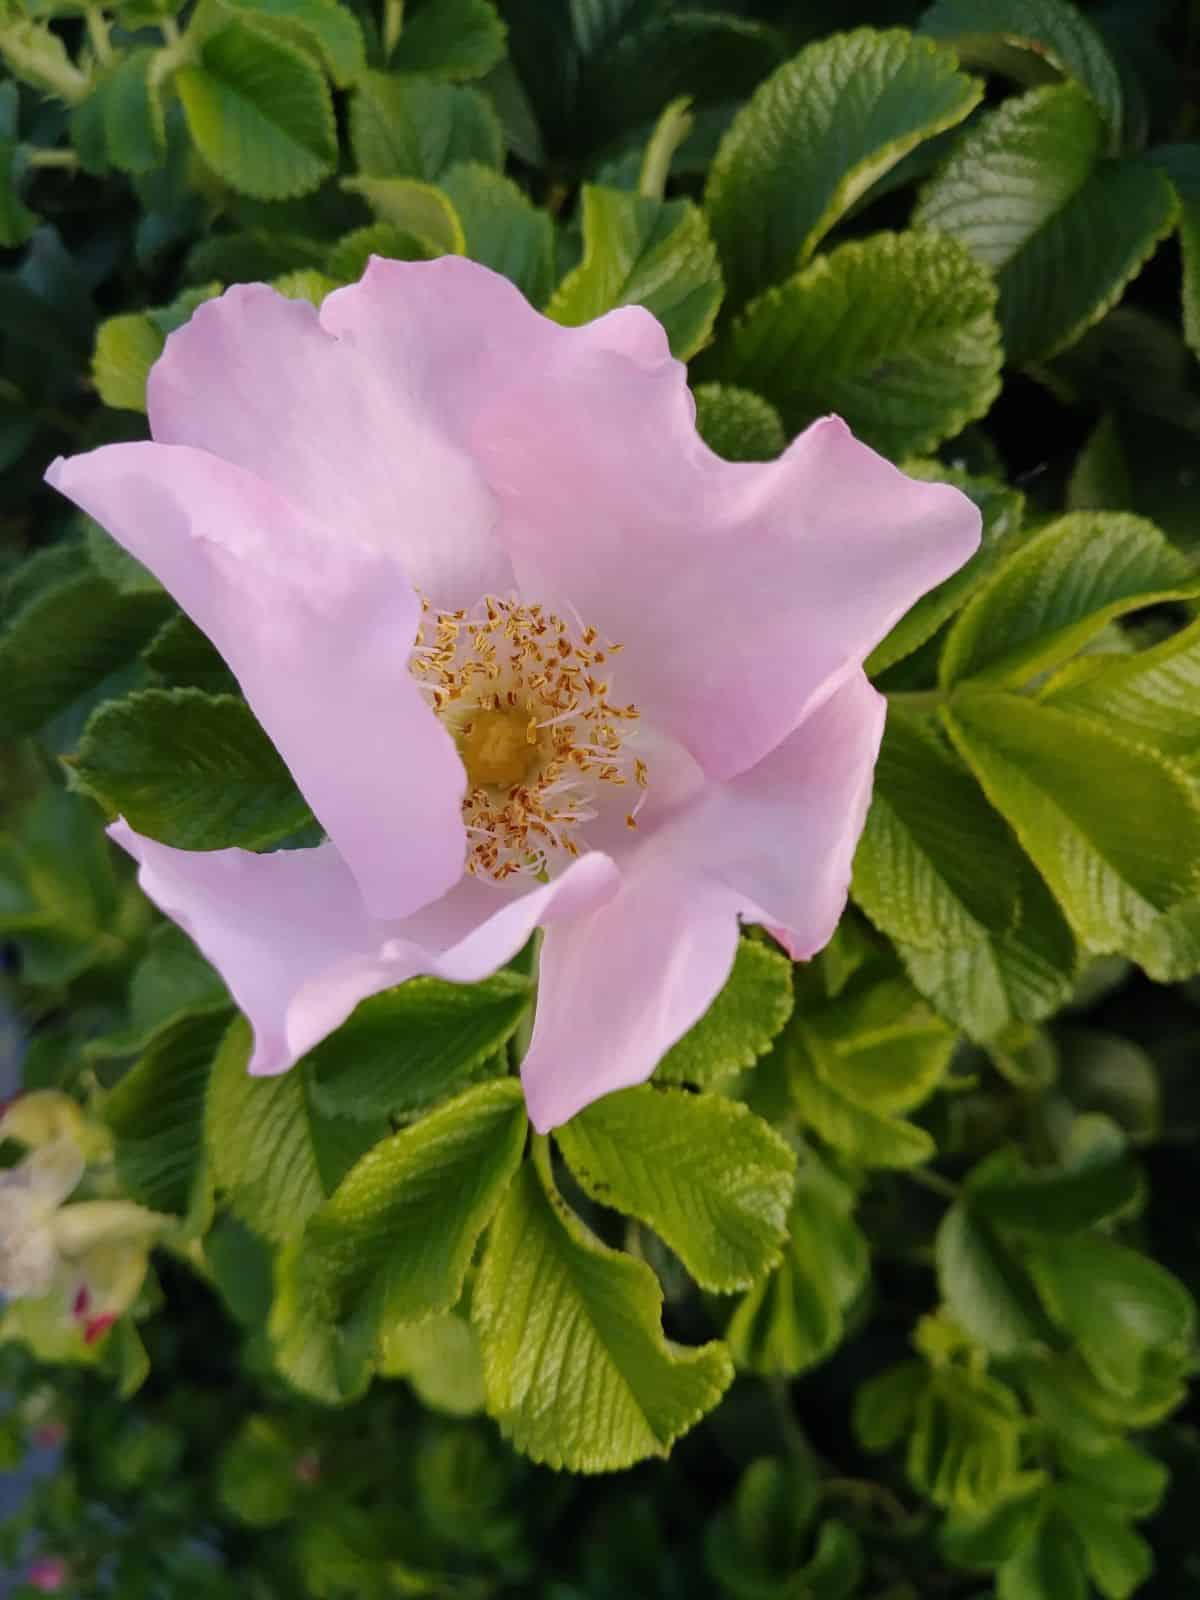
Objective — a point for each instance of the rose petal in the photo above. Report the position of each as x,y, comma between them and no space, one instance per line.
258,380
291,937
620,983
782,836
318,634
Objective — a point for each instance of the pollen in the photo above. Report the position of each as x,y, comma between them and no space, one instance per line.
544,743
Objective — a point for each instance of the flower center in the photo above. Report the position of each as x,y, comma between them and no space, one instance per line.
527,699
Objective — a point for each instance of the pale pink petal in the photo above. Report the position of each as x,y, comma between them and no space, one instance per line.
318,632
620,983
782,836
256,379
289,933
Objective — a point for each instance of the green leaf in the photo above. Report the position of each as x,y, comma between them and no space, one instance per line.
741,1023
17,222
414,208
570,1333
1049,1566
653,253
348,259
450,39
1152,697
257,1479
895,333
1127,1477
260,112
272,1151
393,1243
412,1046
1057,591
410,128
711,1178
156,1113
1105,1072
441,1359
128,346
991,1537
502,229
1069,788
134,131
1146,1310
737,424
1001,509
1028,193
65,638
1118,1560
879,1044
985,1287
1096,1183
939,872
193,770
964,1446
1030,40
1181,163
331,27
815,137
171,981
792,1320
186,658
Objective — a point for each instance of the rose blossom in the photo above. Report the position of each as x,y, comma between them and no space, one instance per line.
534,655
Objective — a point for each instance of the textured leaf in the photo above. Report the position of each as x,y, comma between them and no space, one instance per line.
738,425
157,1114
331,27
964,1444
191,769
441,1359
405,1049
349,257
409,128
1058,591
879,1044
653,253
711,1178
576,1368
414,208
1069,788
1181,163
187,659
895,333
502,229
170,982
1025,38
260,112
450,39
740,1024
815,137
393,1242
985,1287
1028,193
939,872
1152,697
272,1152
134,131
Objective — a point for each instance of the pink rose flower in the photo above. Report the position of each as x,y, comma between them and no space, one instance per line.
534,655
50,1575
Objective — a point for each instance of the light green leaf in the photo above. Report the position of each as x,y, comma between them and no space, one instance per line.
273,1153
895,333
964,1445
571,1333
985,1288
502,228
939,872
879,1044
450,39
414,208
39,58
1118,1560
157,1115
134,131
1150,697
441,1359
993,1536
815,137
393,1242
331,27
711,1178
1181,163
1001,509
792,1320
1030,40
884,1404
349,257
403,1050
410,128
1028,193
1146,1310
740,1024
1070,789
193,770
257,1478
128,346
1132,1481
1057,591
652,253
738,425
1049,1566
260,112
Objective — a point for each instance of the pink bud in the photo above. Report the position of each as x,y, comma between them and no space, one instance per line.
50,1575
